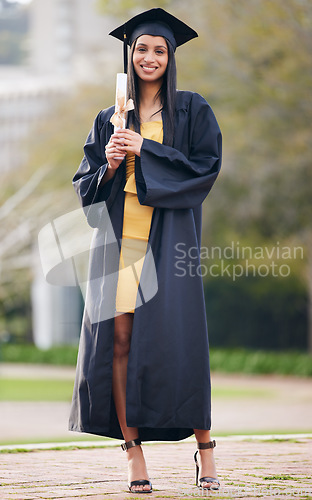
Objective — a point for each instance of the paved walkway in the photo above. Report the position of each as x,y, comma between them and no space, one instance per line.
250,469
254,467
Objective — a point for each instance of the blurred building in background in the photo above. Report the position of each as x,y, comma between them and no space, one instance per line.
63,44
25,101
69,38
66,46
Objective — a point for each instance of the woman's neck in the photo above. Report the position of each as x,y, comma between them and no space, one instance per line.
148,104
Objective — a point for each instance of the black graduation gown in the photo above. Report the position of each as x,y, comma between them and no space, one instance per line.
168,378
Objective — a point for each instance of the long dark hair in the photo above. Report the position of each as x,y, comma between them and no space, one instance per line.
167,94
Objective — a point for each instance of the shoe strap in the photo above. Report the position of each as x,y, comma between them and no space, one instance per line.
207,479
205,446
130,444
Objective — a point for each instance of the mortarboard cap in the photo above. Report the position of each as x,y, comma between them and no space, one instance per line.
156,22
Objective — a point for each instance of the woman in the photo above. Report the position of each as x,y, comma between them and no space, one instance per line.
143,373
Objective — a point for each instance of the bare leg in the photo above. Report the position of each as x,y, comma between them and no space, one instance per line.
122,338
207,466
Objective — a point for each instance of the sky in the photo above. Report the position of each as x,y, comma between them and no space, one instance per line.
19,1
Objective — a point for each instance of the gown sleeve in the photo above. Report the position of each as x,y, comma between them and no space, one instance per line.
88,178
166,178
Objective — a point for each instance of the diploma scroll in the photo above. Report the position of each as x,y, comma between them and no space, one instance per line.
122,106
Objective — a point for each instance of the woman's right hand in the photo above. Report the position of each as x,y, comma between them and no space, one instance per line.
114,154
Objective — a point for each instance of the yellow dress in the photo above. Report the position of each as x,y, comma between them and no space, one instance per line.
136,228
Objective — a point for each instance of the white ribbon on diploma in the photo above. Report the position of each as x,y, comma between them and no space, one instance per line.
122,106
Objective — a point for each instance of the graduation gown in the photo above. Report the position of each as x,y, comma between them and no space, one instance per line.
168,377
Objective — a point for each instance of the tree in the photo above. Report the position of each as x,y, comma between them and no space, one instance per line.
263,93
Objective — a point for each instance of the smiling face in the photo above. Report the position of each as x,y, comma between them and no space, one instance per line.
150,57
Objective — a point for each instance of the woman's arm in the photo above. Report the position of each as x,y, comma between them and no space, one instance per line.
95,176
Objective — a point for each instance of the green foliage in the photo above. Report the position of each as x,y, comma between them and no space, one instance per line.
15,314
255,312
258,75
222,360
261,362
28,353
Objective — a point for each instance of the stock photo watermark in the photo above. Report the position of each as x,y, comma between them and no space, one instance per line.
235,261
252,491
69,243
74,253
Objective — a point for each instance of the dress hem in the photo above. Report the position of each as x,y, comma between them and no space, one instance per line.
145,433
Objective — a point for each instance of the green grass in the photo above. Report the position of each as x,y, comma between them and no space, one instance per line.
60,444
76,437
241,392
72,436
280,477
61,390
222,360
35,390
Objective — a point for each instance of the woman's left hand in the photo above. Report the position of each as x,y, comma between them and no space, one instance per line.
128,140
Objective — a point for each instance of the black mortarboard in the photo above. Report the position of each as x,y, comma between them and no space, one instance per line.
155,22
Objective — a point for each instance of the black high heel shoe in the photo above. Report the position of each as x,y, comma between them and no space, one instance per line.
140,482
199,482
